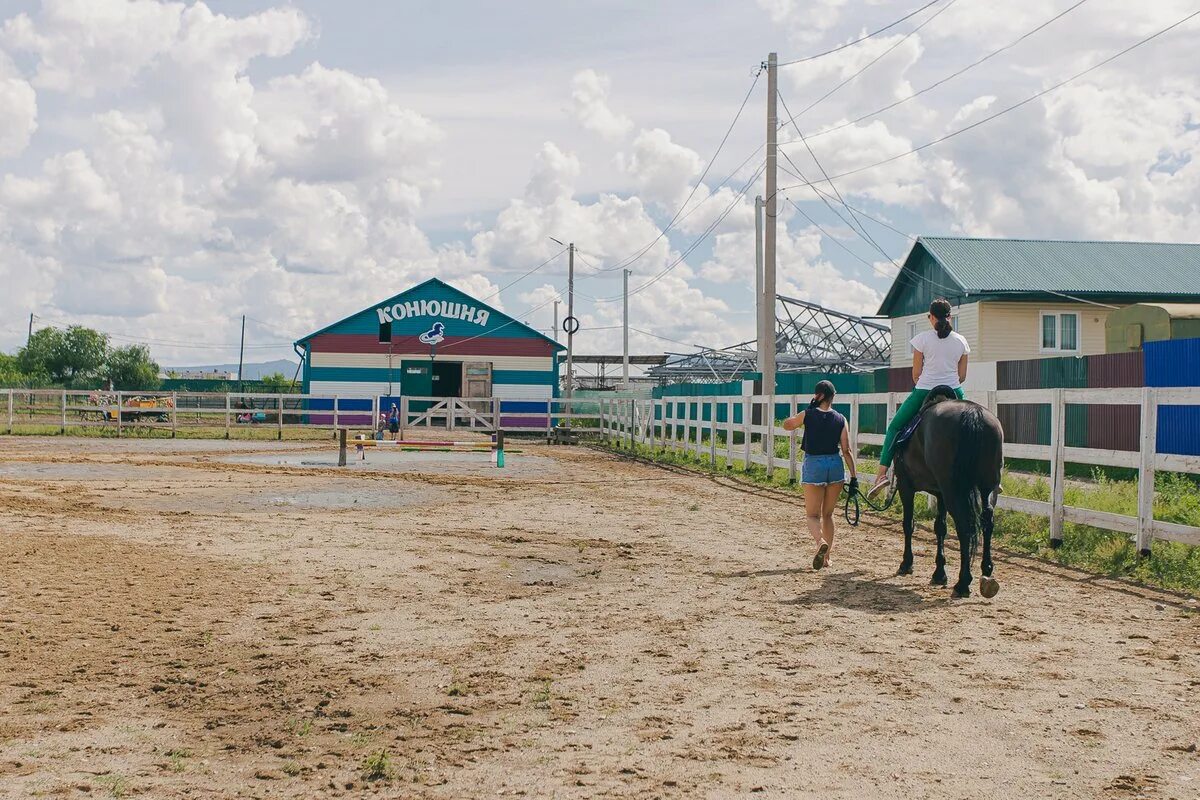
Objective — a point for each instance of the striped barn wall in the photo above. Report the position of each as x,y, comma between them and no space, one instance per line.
380,360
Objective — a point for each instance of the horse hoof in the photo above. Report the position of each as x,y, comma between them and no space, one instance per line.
904,570
988,587
960,593
937,580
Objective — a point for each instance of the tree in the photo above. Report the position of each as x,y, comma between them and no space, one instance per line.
63,355
277,383
131,367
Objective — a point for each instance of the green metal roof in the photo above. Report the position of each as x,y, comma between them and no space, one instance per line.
1033,265
1120,271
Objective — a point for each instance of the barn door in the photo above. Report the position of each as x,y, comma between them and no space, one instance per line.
477,377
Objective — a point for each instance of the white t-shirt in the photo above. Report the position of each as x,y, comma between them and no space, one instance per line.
941,358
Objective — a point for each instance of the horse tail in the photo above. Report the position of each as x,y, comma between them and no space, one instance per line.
966,468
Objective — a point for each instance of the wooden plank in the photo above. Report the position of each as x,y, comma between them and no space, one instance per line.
1149,421
1115,397
1039,508
1185,396
1107,458
712,435
854,422
1174,463
871,439
1175,532
1039,452
1101,519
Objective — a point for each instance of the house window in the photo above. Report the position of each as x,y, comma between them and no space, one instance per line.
1060,332
914,328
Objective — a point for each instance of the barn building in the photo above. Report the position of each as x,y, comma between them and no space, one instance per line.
431,341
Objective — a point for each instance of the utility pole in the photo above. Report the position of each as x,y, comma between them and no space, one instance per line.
625,352
767,343
29,335
241,352
556,320
570,389
759,297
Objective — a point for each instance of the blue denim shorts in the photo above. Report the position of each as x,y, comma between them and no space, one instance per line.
822,470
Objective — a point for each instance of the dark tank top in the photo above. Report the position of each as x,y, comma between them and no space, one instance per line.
822,432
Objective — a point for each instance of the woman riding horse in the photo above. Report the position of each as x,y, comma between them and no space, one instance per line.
939,359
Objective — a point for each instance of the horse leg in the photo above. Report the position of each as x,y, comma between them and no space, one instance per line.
988,586
963,512
939,530
906,563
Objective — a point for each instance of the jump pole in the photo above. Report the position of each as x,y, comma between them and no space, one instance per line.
495,447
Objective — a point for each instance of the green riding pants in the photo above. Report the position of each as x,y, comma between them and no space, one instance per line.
904,414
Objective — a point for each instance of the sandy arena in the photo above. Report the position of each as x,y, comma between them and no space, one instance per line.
239,619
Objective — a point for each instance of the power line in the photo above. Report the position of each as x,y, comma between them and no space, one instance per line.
860,39
949,77
704,235
523,276
1006,110
676,218
872,62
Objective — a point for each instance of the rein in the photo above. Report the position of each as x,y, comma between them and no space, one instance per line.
858,498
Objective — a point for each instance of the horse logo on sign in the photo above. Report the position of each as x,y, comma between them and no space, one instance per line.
434,335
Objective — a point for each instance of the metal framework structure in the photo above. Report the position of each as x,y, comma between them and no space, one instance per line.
808,337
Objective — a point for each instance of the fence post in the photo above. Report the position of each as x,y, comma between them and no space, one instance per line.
991,402
403,415
120,405
747,418
341,444
279,409
1145,529
769,419
728,434
496,415
793,440
854,422
335,414
63,429
712,433
174,413
10,411
1058,437
633,422
227,415
891,409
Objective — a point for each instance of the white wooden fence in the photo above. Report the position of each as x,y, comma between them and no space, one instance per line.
45,410
678,424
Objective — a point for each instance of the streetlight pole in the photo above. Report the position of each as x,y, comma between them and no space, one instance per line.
768,342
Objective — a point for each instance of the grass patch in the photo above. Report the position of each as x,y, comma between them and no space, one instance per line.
116,785
377,767
1171,565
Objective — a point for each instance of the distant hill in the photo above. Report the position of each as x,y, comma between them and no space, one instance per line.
253,371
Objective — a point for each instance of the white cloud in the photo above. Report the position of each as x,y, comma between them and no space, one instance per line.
661,169
589,95
18,109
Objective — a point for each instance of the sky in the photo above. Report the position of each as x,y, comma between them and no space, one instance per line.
166,168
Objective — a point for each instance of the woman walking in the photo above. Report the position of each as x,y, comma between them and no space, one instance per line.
822,473
939,359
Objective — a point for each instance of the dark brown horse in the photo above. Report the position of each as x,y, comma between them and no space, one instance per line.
955,454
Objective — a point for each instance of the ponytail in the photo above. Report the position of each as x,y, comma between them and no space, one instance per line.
940,310
823,392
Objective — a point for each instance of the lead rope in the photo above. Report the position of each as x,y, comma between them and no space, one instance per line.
858,498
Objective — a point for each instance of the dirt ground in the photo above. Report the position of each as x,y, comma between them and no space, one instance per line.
201,619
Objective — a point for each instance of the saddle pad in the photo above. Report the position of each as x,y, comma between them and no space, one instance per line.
906,433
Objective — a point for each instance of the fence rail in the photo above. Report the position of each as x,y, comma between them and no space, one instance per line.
743,430
120,412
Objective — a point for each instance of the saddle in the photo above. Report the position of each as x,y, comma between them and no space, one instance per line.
936,395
